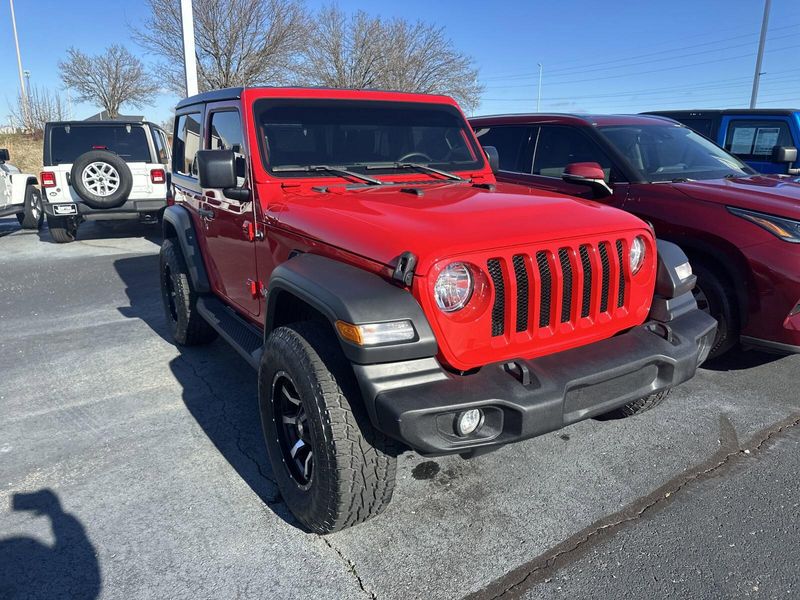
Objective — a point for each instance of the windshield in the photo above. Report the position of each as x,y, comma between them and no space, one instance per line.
669,153
68,142
362,136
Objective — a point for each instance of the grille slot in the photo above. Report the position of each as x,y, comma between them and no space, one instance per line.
606,266
545,289
587,281
499,307
566,294
523,293
621,287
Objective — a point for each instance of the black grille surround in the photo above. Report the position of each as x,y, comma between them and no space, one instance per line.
498,308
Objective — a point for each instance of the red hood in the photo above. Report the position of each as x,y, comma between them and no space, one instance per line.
770,194
447,220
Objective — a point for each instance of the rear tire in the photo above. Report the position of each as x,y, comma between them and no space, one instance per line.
716,297
62,229
332,467
186,325
33,216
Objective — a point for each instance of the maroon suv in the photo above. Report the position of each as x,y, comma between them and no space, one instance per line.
741,230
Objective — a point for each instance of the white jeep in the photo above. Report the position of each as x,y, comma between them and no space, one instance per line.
103,170
19,194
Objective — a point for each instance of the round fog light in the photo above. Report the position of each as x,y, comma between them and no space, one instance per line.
468,421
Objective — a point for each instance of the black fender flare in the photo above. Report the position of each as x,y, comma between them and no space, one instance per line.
343,292
177,224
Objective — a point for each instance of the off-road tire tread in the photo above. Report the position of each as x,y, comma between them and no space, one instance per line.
360,460
191,329
639,406
60,230
26,219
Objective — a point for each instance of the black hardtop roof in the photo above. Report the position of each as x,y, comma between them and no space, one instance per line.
233,93
109,123
708,112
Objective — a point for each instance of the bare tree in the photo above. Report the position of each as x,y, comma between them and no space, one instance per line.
43,105
237,42
343,52
368,52
110,80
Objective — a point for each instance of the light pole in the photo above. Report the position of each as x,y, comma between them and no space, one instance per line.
23,93
539,94
189,58
761,41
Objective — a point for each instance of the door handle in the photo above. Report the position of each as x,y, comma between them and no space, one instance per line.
205,213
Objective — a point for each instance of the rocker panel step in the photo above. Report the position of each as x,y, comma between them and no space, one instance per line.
244,337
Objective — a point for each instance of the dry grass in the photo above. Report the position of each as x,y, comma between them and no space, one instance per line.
25,151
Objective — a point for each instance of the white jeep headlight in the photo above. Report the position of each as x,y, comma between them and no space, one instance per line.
453,287
638,251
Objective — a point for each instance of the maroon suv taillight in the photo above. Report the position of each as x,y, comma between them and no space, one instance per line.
158,176
48,179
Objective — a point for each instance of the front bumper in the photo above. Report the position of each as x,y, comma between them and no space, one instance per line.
417,402
132,209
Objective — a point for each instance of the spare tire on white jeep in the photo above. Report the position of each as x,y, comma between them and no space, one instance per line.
102,179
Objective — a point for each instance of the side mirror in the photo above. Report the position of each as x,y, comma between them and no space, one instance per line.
784,154
589,174
3,155
216,170
493,158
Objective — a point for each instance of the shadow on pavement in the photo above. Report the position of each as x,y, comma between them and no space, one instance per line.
739,360
219,388
31,569
111,230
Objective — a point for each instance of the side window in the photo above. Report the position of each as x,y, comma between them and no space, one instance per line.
225,133
754,140
514,145
186,144
559,146
160,144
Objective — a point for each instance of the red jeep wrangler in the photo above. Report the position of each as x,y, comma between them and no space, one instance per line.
353,247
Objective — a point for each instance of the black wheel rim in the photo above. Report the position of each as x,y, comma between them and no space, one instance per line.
294,434
170,295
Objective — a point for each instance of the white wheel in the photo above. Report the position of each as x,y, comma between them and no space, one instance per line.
100,178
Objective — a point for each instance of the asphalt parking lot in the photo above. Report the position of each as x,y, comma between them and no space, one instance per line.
130,469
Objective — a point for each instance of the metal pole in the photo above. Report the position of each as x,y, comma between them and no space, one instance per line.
23,93
190,60
757,76
539,94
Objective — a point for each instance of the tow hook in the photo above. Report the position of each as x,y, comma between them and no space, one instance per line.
662,330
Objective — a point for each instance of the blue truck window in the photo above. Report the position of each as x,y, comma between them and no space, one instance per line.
754,139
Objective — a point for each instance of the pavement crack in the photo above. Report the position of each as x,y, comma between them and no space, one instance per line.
270,501
517,581
351,567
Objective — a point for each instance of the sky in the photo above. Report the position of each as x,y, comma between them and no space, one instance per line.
599,56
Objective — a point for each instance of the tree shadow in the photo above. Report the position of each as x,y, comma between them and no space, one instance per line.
33,570
738,359
219,388
110,230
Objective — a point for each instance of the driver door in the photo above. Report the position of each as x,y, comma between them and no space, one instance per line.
229,224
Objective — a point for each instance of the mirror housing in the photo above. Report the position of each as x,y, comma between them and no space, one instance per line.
3,155
216,169
493,157
589,174
784,154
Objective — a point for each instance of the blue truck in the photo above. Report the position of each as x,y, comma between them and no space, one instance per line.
766,139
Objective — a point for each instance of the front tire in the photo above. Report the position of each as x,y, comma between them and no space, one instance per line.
186,325
715,297
636,407
33,215
333,469
62,229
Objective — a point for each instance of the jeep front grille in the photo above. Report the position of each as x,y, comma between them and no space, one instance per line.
576,282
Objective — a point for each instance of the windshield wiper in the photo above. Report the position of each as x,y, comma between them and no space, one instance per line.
335,170
408,165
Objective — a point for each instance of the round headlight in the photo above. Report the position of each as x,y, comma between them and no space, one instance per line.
638,251
453,287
